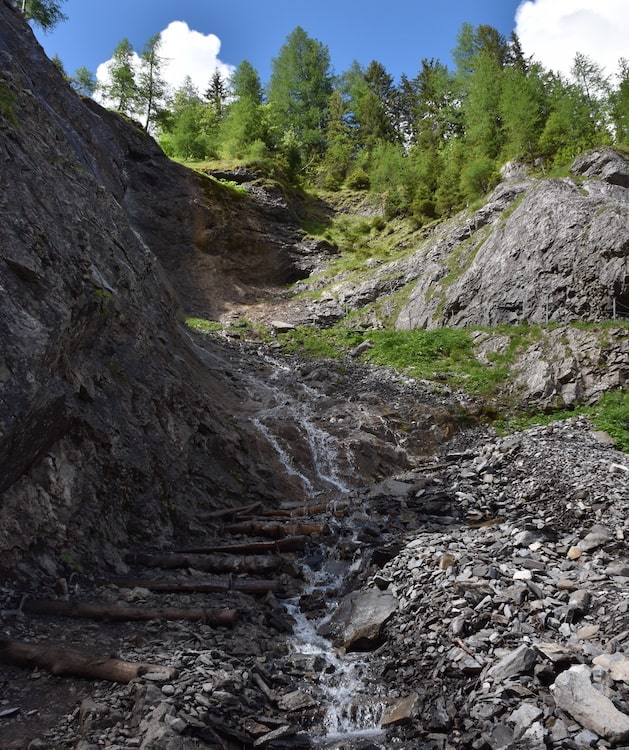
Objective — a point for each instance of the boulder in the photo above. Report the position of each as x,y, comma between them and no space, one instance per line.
575,694
359,619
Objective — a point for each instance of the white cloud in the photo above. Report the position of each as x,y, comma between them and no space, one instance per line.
185,52
553,31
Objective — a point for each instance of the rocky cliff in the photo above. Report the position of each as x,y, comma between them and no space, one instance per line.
117,424
537,251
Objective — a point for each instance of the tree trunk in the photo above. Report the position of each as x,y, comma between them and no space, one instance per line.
274,530
68,661
219,585
290,544
211,563
55,608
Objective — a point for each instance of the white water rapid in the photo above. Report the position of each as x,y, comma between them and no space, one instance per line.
350,710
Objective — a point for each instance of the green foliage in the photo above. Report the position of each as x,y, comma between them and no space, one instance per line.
122,89
426,147
84,81
203,326
478,177
612,415
298,95
43,13
7,104
151,86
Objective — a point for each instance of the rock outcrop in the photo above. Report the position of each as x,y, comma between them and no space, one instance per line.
538,251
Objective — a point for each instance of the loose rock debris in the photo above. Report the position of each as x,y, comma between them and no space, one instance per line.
503,570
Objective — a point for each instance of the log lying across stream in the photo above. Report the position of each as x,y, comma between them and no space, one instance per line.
56,608
211,563
289,544
68,661
274,530
250,586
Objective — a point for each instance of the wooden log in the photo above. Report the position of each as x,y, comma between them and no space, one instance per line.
69,661
210,563
289,544
217,515
56,608
217,585
301,511
274,530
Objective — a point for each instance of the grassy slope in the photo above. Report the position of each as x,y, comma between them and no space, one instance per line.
442,357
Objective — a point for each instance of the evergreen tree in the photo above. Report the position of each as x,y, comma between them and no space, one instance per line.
122,89
386,106
43,13
299,91
570,128
481,107
523,111
340,150
245,124
596,89
183,131
84,81
151,87
216,93
620,104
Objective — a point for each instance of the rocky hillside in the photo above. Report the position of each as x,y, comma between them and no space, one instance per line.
116,423
209,501
537,251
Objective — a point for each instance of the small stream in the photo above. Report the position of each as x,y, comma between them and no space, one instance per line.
349,706
350,711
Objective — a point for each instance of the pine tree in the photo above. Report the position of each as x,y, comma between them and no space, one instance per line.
122,88
216,93
299,91
151,87
84,81
620,104
245,123
43,13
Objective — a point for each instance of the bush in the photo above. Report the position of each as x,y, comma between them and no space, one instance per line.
358,180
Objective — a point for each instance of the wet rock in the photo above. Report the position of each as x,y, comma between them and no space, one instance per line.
360,617
574,693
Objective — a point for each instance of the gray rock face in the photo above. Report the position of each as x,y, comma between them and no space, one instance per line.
557,254
565,366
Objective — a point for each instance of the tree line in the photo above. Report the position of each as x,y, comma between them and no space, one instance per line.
429,144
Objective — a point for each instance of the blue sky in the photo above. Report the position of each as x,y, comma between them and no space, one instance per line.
397,33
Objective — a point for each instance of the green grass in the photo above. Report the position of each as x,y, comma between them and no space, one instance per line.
442,355
203,326
611,414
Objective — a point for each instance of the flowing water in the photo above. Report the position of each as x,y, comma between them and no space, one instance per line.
349,709
343,686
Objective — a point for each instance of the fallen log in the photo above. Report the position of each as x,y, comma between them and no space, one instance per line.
300,511
210,563
274,530
289,544
56,608
69,661
216,586
217,515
